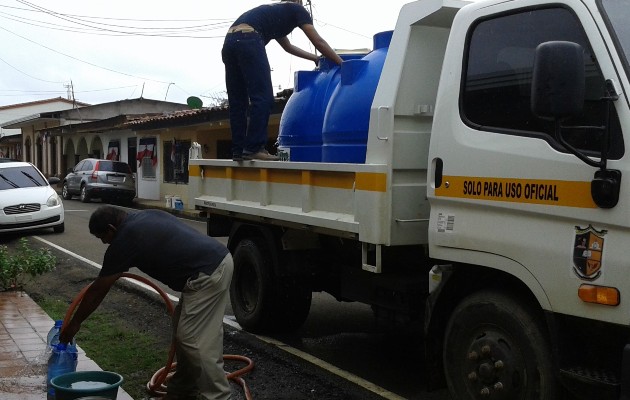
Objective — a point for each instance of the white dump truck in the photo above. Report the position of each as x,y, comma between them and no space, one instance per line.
492,204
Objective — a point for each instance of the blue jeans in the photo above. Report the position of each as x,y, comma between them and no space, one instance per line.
249,89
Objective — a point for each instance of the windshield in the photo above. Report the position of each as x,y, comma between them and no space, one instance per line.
618,13
20,177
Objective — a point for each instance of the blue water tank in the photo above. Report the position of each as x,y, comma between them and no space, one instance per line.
347,116
300,132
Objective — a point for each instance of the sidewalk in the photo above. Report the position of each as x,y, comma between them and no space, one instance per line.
23,330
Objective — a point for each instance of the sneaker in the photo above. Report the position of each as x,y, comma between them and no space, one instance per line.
237,157
260,155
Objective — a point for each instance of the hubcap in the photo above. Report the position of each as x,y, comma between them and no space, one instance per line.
493,369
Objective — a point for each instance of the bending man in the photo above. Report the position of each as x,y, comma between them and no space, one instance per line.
175,254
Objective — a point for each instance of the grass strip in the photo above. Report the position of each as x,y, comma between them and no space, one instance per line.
115,347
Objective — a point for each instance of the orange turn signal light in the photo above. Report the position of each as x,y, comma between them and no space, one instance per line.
608,296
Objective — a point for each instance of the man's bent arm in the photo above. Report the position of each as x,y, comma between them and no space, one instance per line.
90,302
320,44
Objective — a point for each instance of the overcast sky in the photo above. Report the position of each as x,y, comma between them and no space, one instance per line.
115,50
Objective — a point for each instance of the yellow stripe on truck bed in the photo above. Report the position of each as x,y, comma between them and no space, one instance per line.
366,181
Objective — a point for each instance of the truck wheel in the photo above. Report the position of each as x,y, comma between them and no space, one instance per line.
252,291
294,306
495,348
84,196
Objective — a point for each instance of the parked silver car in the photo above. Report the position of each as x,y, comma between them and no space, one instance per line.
27,201
104,179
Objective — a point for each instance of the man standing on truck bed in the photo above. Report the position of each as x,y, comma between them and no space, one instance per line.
248,74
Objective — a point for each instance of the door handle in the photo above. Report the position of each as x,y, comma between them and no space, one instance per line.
438,168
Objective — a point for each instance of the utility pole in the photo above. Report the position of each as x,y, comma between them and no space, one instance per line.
68,87
309,3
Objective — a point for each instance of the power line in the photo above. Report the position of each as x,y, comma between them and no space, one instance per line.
90,27
122,19
78,59
24,73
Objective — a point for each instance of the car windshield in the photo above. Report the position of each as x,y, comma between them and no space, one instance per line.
113,166
20,177
618,13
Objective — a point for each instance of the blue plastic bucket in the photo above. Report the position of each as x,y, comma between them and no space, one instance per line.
347,117
77,385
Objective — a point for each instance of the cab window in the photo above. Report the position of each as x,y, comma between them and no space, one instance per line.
496,89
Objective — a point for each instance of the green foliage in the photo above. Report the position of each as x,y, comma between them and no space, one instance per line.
22,264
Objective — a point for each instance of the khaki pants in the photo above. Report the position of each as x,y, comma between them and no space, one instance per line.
198,333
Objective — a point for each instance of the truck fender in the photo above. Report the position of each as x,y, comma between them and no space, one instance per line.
457,282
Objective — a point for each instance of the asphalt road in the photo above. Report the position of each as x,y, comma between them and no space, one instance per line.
343,338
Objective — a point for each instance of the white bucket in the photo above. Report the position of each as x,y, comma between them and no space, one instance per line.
169,201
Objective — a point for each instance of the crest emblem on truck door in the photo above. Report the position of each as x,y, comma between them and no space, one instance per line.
588,250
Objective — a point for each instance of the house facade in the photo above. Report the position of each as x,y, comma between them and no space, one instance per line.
165,144
12,144
154,137
57,140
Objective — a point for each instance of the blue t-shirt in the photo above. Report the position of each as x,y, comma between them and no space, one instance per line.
274,21
162,247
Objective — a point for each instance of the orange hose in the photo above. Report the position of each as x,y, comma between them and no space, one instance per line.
157,385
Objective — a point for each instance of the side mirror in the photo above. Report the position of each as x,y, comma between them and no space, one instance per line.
53,180
558,93
558,80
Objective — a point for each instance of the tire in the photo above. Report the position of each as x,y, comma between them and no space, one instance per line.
84,196
293,306
252,291
495,348
65,193
59,228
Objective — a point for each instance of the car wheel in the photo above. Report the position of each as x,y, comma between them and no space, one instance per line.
59,228
85,196
496,346
65,193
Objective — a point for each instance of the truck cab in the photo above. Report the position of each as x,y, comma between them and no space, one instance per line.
527,192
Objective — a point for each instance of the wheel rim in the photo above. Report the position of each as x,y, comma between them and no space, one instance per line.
248,288
494,368
83,193
64,191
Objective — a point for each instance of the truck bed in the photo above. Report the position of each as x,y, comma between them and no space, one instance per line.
348,200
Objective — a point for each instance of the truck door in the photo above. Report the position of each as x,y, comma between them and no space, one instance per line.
505,193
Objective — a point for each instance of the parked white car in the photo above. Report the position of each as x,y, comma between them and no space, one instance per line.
27,200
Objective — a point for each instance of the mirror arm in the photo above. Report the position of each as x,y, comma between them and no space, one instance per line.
598,164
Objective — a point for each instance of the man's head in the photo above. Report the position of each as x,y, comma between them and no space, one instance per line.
105,221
